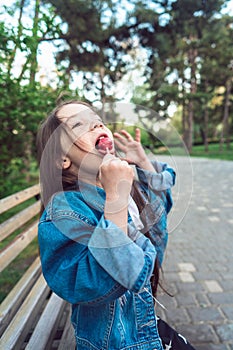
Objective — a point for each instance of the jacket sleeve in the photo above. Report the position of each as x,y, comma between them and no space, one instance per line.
155,188
161,180
92,263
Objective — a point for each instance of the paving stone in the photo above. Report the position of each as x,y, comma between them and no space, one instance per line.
227,285
198,333
180,315
167,288
226,275
168,301
225,332
186,277
191,287
202,299
206,275
213,286
186,299
186,267
211,347
215,266
228,311
221,298
202,315
214,218
170,277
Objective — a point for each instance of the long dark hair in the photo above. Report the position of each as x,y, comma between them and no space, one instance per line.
140,202
53,178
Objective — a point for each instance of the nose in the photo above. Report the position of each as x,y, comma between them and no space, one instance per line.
97,124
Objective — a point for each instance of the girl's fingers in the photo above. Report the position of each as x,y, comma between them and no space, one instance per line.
121,144
138,135
129,161
120,138
127,135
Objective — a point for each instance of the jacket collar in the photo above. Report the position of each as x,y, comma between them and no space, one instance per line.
93,195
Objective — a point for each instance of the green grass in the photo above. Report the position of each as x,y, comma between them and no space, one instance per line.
214,151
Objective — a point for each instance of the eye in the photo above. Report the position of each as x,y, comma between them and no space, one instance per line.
76,125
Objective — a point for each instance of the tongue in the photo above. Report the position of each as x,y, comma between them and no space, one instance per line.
104,143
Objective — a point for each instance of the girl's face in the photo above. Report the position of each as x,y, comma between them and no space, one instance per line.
89,137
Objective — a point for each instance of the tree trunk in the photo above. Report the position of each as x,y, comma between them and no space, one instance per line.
184,115
102,93
206,131
189,133
206,121
192,54
18,39
224,133
35,44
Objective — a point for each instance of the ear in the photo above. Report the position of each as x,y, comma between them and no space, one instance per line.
66,163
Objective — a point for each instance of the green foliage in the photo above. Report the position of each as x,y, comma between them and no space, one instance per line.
93,43
190,45
21,111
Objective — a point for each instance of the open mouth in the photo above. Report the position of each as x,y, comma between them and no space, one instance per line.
103,144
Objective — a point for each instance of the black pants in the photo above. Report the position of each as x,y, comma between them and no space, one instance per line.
171,339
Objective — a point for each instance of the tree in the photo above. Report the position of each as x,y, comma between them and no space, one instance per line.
22,101
94,45
175,33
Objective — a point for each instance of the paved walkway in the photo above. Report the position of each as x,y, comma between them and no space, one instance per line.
198,265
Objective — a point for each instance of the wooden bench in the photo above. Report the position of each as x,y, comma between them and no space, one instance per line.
31,316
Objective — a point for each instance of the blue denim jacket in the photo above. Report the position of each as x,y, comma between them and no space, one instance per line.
105,274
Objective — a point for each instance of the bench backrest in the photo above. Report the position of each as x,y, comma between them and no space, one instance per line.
31,316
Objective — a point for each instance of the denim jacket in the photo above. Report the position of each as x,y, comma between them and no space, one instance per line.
104,273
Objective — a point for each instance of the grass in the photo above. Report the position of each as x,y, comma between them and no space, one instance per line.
214,151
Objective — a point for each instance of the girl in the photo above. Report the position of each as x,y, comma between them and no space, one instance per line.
96,251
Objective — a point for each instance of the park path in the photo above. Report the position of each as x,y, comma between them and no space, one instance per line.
198,265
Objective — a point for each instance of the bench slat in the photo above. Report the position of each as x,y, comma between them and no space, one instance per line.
16,221
14,248
17,198
20,326
67,340
14,299
45,329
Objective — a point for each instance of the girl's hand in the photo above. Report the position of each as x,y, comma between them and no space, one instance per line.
116,177
134,152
